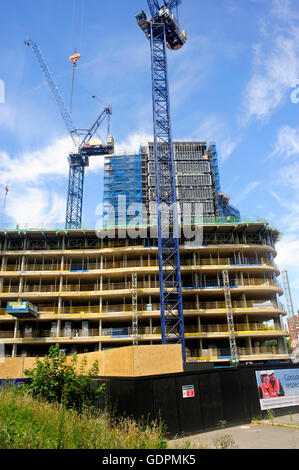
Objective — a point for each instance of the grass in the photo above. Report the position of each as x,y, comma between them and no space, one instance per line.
30,423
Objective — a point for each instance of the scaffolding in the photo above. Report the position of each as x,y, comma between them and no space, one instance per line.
122,189
230,319
193,176
222,206
134,310
213,159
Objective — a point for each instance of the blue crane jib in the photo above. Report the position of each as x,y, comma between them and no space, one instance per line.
84,148
163,31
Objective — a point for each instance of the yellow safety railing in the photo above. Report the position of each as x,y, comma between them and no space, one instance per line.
81,287
212,354
89,266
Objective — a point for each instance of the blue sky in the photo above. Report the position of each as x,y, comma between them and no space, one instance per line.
236,82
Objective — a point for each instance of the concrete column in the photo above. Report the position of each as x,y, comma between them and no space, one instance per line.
241,278
14,350
59,305
58,329
16,333
4,262
4,247
21,283
60,283
23,261
199,324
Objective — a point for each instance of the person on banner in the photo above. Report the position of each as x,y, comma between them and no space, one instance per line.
264,387
275,387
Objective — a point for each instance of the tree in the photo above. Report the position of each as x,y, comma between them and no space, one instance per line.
56,380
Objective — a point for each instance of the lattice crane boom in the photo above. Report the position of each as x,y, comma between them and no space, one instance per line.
55,91
107,111
163,31
230,318
290,307
79,159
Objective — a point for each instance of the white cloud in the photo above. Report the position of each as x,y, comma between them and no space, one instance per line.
290,176
34,207
29,201
288,252
8,116
287,144
247,189
275,63
215,128
283,9
272,79
132,144
33,167
27,175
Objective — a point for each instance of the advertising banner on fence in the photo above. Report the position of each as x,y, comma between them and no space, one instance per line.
278,388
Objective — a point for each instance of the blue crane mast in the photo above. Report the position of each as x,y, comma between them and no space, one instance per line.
163,30
83,149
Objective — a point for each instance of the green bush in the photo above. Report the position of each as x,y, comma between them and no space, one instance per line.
69,384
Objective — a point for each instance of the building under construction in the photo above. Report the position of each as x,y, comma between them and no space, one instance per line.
196,176
129,182
87,299
95,290
89,292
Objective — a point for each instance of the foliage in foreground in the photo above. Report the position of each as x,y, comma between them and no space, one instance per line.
33,423
56,380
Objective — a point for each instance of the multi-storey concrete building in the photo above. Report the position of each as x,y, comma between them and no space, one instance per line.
82,286
197,183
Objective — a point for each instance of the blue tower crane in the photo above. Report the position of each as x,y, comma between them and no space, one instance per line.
79,159
163,30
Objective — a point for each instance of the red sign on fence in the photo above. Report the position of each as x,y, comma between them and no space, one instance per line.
188,391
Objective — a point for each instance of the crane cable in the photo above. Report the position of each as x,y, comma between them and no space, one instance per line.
76,56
